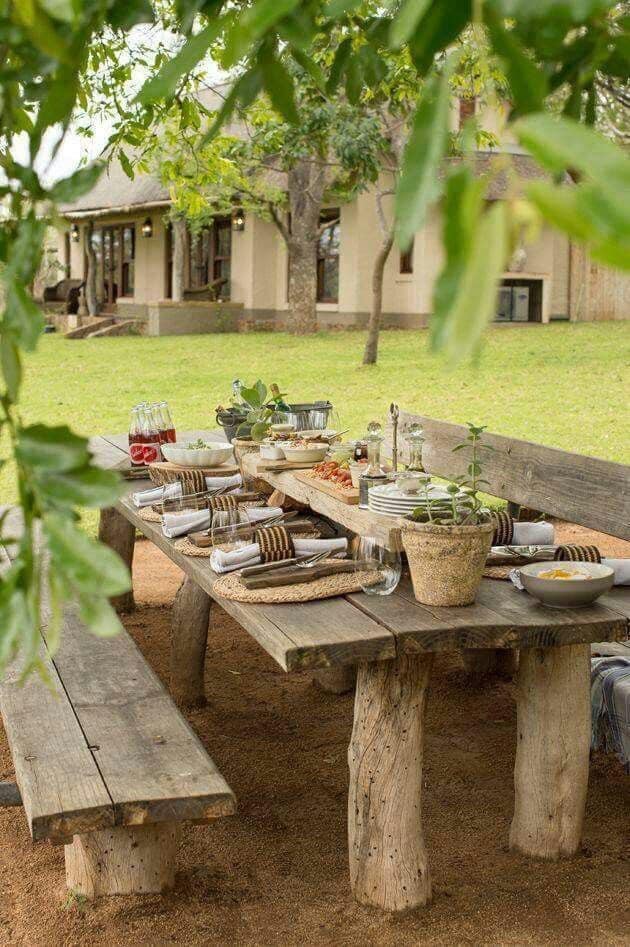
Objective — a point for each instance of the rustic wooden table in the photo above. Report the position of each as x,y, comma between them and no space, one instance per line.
393,640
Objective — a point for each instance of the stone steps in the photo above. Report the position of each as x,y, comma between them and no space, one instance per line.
126,327
89,328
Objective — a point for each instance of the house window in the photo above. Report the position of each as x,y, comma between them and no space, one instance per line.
328,257
466,110
128,259
210,257
406,259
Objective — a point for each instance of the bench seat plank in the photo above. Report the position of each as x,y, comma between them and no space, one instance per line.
314,635
151,761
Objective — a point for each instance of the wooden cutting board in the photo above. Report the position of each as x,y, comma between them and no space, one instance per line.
279,465
350,496
165,472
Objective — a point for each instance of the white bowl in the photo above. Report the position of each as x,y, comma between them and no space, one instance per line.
214,455
271,451
306,455
567,593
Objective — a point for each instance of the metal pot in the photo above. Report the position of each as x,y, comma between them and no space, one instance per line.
231,419
311,416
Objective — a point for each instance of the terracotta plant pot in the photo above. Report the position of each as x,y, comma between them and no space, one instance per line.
446,562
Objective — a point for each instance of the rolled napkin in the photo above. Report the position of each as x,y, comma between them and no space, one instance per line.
620,567
189,521
171,491
532,534
222,561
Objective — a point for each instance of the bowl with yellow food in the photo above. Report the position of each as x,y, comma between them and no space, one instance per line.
566,584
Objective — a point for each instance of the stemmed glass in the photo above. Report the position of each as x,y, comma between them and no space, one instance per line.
371,556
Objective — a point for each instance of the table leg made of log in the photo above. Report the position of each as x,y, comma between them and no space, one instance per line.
552,750
388,861
119,534
189,636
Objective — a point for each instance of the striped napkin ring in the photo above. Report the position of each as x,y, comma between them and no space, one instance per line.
503,528
222,503
192,481
573,553
275,544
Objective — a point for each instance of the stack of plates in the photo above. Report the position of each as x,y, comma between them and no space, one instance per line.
387,498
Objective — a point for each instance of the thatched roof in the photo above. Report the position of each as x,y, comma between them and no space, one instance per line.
116,192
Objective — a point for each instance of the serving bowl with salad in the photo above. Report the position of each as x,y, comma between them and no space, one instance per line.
198,453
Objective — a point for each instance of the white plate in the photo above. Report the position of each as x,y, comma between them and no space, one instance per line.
390,491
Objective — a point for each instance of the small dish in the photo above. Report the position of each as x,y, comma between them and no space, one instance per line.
356,469
314,453
270,450
594,579
283,428
212,455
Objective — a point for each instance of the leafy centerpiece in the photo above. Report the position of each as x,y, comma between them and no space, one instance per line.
447,539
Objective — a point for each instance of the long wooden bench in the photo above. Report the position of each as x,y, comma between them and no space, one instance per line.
106,764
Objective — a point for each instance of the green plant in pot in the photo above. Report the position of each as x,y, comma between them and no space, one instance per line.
261,404
447,540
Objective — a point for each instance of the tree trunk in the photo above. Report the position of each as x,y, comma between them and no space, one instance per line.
371,343
123,860
179,257
552,750
191,612
90,282
306,186
388,861
120,535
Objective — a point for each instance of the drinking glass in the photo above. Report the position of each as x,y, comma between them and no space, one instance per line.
370,555
231,529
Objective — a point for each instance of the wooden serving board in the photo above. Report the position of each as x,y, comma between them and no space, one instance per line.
350,496
279,465
165,472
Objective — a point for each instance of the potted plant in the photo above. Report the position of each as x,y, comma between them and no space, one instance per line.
258,406
447,540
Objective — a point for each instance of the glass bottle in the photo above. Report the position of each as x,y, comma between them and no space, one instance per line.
136,440
415,440
158,420
171,434
150,438
374,475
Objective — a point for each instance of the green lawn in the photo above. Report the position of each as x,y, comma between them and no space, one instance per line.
563,385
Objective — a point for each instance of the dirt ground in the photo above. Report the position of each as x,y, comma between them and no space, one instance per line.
276,873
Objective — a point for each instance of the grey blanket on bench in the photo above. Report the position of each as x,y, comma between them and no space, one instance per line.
610,706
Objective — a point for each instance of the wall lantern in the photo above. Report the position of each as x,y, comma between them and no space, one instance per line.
75,236
147,228
238,219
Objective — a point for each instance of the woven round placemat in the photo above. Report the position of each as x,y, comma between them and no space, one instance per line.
149,515
229,586
497,572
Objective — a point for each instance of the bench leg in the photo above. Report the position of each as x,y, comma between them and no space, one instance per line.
336,680
481,661
388,861
552,750
118,533
191,613
123,860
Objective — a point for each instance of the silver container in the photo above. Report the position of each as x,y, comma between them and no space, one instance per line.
309,417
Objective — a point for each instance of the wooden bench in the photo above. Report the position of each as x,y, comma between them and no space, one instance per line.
106,764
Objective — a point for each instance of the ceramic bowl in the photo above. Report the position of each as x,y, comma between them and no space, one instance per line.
271,451
567,593
213,455
314,453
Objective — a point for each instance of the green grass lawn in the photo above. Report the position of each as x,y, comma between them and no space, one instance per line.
563,385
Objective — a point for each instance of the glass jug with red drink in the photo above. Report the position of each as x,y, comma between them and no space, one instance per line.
169,427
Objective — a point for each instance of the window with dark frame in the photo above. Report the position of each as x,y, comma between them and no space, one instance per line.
210,256
328,256
406,259
128,259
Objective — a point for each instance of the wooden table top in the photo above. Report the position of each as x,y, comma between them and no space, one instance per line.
361,627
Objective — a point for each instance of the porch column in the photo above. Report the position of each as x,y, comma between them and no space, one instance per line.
179,256
90,280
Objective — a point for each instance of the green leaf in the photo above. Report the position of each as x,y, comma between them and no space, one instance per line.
335,9
87,486
279,85
257,20
527,80
262,391
125,164
11,365
100,617
58,104
560,143
14,622
26,250
475,303
259,430
164,84
407,19
63,10
339,64
77,184
86,564
251,397
354,79
123,14
55,449
438,28
23,317
419,181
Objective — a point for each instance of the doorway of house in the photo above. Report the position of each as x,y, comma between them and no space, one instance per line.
115,248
